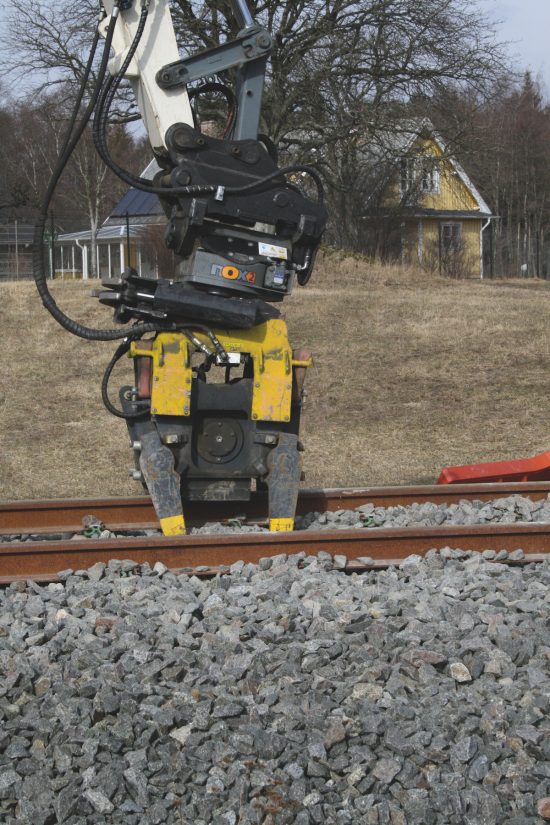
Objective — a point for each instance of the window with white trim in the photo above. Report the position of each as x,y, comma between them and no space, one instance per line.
420,174
429,175
408,174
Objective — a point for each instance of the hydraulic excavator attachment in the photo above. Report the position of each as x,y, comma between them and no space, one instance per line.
243,231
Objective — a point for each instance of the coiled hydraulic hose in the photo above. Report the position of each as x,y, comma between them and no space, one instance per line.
105,92
69,145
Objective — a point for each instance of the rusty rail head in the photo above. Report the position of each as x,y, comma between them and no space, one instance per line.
44,559
138,512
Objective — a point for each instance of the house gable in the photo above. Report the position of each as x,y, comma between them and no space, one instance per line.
436,181
452,193
429,209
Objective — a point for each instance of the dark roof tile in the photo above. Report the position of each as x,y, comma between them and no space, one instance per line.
136,202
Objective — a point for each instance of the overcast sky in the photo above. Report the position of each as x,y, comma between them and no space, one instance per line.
526,25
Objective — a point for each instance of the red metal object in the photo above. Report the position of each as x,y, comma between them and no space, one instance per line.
536,468
144,371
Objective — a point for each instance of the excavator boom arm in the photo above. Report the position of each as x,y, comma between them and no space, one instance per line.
159,108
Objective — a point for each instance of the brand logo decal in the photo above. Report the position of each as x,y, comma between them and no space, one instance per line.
233,273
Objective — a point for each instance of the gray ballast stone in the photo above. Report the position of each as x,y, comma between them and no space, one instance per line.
460,672
504,510
285,695
98,801
8,777
96,572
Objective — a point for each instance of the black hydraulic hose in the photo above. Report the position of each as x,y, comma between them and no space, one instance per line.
286,170
210,189
81,91
106,99
100,140
69,145
121,350
229,98
216,343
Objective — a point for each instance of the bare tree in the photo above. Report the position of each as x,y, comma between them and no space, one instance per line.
49,44
504,142
340,74
332,52
88,190
328,55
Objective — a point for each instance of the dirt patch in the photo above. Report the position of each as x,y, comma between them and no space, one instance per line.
411,373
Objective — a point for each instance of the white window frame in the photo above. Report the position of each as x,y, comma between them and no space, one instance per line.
407,171
421,172
429,175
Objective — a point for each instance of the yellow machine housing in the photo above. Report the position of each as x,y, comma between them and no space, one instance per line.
274,394
268,346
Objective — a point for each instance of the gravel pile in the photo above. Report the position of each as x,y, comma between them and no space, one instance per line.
499,511
278,694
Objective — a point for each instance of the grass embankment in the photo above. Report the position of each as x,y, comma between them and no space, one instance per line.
411,373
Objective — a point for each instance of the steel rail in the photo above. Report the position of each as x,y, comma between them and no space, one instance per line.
41,560
53,516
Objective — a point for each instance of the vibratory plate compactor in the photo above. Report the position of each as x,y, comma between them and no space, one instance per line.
215,413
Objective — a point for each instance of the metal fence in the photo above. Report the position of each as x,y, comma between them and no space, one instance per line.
67,251
16,250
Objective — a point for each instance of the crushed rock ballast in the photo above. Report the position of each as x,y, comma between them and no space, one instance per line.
467,512
499,511
429,514
289,694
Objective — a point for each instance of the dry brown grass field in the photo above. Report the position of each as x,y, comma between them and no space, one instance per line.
411,373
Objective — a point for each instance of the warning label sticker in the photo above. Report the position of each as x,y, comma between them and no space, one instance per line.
272,251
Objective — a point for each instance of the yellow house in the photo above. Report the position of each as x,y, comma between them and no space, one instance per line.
429,210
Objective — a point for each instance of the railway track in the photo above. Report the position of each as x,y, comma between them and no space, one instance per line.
206,554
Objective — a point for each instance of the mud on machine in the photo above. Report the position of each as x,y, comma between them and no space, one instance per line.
244,233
